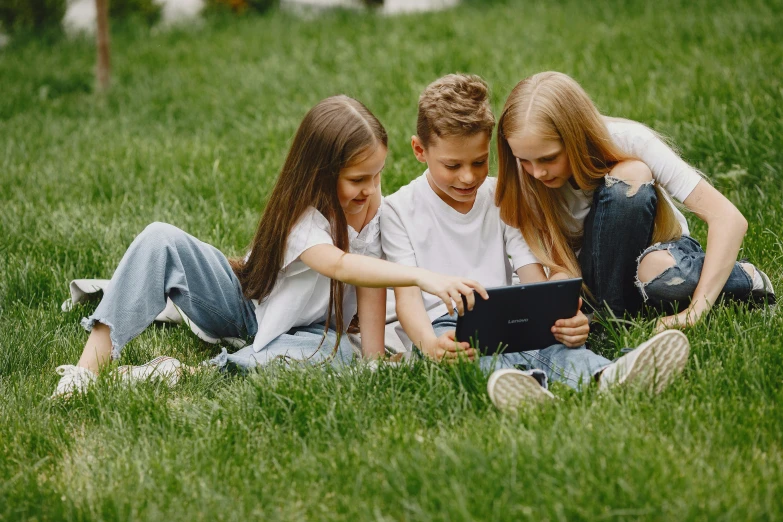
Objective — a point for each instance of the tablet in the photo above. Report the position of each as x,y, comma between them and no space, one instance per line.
519,318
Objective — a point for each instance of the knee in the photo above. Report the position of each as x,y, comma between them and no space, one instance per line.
630,184
633,174
159,237
161,233
654,264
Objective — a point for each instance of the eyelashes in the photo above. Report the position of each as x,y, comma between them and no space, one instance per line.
475,164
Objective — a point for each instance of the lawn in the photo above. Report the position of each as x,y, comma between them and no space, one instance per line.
193,133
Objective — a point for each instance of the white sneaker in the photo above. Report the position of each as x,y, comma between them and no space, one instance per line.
650,367
166,369
509,389
75,379
765,295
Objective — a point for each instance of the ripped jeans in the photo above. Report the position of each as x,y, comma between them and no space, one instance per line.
672,289
617,235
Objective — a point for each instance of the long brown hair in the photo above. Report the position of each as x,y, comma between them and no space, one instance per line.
555,107
337,133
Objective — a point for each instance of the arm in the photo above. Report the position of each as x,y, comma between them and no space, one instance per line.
369,272
416,323
726,227
532,273
372,320
397,246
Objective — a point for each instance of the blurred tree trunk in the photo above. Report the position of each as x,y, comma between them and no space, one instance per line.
103,69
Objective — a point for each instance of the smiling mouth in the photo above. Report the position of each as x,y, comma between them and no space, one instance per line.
464,191
360,201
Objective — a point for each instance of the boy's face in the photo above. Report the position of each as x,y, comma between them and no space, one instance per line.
457,167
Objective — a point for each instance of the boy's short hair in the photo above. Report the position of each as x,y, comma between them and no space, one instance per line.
456,105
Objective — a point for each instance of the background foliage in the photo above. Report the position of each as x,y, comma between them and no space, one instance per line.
30,14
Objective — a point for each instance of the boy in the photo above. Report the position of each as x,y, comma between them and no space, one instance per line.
446,221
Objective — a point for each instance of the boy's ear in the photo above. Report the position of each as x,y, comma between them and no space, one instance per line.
418,149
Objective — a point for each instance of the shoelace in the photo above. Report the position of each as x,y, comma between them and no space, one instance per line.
75,373
68,369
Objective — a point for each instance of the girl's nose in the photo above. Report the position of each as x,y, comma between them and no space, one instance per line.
539,173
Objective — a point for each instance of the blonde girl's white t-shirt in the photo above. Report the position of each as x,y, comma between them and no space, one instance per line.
669,170
301,295
420,229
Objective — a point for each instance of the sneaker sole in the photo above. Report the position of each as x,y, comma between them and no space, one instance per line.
667,353
127,371
509,389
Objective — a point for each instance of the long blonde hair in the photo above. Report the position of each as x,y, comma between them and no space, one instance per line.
555,107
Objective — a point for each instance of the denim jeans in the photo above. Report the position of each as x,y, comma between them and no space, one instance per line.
575,367
674,287
617,235
163,261
298,345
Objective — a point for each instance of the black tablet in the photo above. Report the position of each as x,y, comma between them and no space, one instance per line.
519,318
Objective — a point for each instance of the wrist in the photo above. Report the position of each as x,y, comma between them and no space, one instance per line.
699,306
419,276
428,346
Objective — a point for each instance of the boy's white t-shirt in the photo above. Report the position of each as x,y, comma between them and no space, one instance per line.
301,295
668,169
420,229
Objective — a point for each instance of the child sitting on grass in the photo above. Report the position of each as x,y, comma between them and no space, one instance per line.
591,194
318,233
446,221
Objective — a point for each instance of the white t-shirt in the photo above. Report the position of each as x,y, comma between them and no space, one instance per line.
420,229
301,295
668,169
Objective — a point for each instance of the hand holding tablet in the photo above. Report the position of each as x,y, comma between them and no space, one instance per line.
520,318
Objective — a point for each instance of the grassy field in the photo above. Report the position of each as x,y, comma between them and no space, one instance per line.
193,134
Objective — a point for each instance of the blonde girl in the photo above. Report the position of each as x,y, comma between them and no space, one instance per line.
591,196
312,264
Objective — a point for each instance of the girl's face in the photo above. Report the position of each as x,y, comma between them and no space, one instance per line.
358,182
543,159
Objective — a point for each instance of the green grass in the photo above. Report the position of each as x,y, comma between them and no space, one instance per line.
193,133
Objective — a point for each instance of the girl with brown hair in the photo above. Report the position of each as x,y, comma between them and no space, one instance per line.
317,239
591,195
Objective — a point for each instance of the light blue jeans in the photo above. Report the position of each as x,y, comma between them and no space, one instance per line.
575,367
298,345
165,262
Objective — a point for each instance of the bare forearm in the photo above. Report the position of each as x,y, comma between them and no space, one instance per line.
375,273
533,273
413,316
724,239
372,320
726,227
